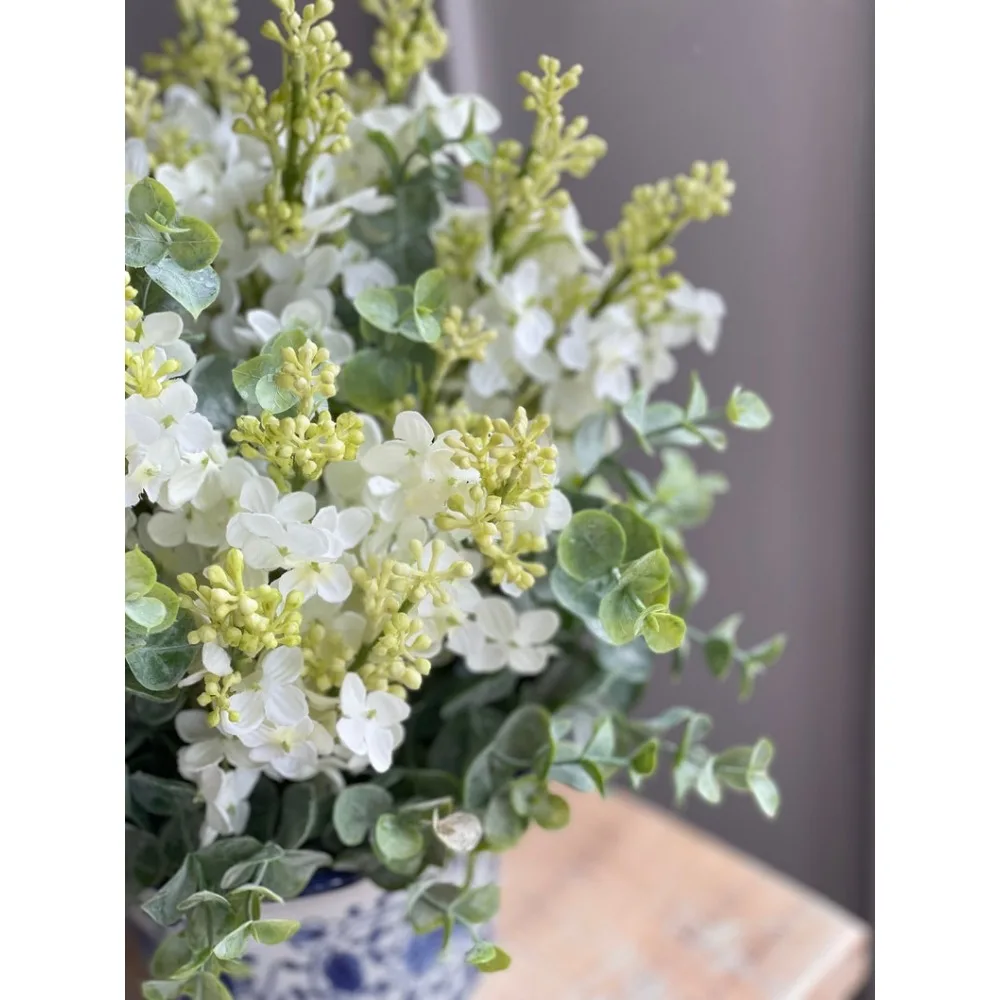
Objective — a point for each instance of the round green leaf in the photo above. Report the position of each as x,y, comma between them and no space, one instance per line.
663,631
619,614
396,839
592,544
431,290
502,826
197,246
356,810
150,197
146,611
140,573
641,536
648,577
551,812
487,957
747,410
143,243
194,290
372,378
274,931
384,308
171,603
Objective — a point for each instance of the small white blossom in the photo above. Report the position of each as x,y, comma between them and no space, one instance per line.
227,806
272,528
699,313
500,637
370,722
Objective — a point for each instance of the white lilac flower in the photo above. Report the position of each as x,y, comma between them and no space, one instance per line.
310,315
214,660
162,331
500,637
453,113
226,794
273,528
370,722
698,316
277,696
320,572
347,481
289,752
331,218
414,472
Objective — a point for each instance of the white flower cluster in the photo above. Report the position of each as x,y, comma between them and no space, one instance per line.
381,507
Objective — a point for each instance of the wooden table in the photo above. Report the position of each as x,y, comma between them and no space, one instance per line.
629,903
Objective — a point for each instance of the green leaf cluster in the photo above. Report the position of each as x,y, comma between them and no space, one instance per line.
414,313
176,251
150,607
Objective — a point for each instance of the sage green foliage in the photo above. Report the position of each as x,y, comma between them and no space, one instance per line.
175,251
219,892
415,312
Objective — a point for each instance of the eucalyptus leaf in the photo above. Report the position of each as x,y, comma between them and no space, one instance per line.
212,380
592,544
194,290
590,442
164,659
502,826
356,810
144,244
747,410
372,379
197,246
140,573
150,197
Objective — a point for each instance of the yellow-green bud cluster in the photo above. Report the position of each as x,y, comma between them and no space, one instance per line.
525,194
392,660
297,448
207,54
133,314
515,468
462,339
639,245
306,116
457,245
407,39
231,615
326,657
142,105
394,663
144,376
215,697
308,372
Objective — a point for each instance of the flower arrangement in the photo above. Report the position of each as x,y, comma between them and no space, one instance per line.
388,584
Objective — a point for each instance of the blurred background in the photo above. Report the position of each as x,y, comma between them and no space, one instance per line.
782,89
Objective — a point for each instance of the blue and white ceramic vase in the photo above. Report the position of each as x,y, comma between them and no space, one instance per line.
355,942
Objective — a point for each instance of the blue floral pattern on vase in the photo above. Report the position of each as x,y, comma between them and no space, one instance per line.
356,943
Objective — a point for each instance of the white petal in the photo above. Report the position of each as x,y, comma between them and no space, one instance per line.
286,705
533,329
167,529
536,627
258,495
161,328
261,554
295,507
283,665
215,659
352,734
531,661
497,618
305,541
388,708
380,746
352,698
386,459
192,725
334,584
489,659
178,400
199,756
412,428
466,640
353,524
558,512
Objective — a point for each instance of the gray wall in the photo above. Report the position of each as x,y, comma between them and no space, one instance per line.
783,90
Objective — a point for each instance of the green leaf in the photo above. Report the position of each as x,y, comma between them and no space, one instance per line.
160,796
163,907
644,760
249,373
274,931
216,859
420,326
161,989
488,957
523,743
235,943
140,573
197,247
146,611
398,840
171,954
631,662
502,826
290,874
212,380
487,691
640,536
770,650
384,308
431,291
194,290
662,631
619,614
592,544
648,577
299,813
271,397
551,812
164,659
589,442
478,905
583,776
697,405
144,244
150,197
171,603
371,379
747,410
204,897
356,810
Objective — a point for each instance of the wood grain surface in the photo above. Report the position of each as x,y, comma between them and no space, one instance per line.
630,903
